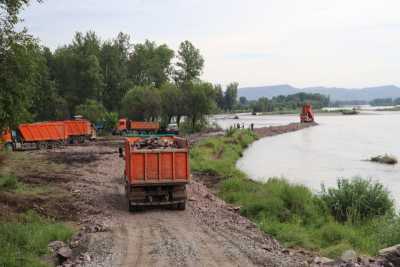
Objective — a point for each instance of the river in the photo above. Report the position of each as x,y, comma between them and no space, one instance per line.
337,147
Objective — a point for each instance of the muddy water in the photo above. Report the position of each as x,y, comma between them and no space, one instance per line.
336,148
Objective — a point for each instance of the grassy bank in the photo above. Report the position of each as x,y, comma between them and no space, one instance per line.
24,239
24,235
357,214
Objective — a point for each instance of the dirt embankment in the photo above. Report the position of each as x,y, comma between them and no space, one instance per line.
276,130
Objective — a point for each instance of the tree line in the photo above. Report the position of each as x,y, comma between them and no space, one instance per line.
283,103
102,80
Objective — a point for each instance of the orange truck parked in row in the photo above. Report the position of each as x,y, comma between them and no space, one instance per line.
126,126
43,135
156,171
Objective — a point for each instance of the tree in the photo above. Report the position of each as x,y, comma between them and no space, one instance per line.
231,96
243,101
92,110
198,101
17,66
77,70
150,64
219,97
190,63
46,103
114,63
142,103
171,99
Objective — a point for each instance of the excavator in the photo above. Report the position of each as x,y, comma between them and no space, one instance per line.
307,114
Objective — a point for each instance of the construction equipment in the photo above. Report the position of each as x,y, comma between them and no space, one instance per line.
130,128
156,171
126,126
6,139
307,114
46,135
79,131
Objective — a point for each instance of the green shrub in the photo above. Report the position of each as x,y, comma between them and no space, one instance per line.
290,234
8,182
25,240
357,200
110,121
335,233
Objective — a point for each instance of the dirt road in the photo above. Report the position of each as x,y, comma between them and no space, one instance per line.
208,233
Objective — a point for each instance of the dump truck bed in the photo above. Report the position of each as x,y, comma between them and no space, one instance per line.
78,127
144,126
160,166
156,173
43,131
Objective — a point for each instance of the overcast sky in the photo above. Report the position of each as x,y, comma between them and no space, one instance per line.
348,43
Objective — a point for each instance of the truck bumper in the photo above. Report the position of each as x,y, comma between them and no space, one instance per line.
156,195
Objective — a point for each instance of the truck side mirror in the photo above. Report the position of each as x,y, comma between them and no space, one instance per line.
121,152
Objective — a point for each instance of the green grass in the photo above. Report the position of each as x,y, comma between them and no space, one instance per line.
218,155
24,239
8,182
357,214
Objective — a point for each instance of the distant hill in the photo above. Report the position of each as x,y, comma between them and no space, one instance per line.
335,94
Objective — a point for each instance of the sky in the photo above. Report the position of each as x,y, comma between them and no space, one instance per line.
336,43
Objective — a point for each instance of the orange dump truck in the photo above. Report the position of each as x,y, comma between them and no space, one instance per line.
127,126
156,171
79,131
42,135
39,135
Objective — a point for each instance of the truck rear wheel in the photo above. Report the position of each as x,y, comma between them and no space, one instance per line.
42,145
181,206
134,208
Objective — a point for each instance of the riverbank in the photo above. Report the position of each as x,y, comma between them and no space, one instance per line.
291,213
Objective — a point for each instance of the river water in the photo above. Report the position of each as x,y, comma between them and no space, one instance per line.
337,147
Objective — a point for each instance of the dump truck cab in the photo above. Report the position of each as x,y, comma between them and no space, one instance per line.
122,125
156,171
6,139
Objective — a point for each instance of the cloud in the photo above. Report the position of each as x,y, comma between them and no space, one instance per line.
302,42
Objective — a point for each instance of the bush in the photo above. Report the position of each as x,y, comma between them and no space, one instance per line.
8,182
92,110
276,199
24,240
110,120
357,200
